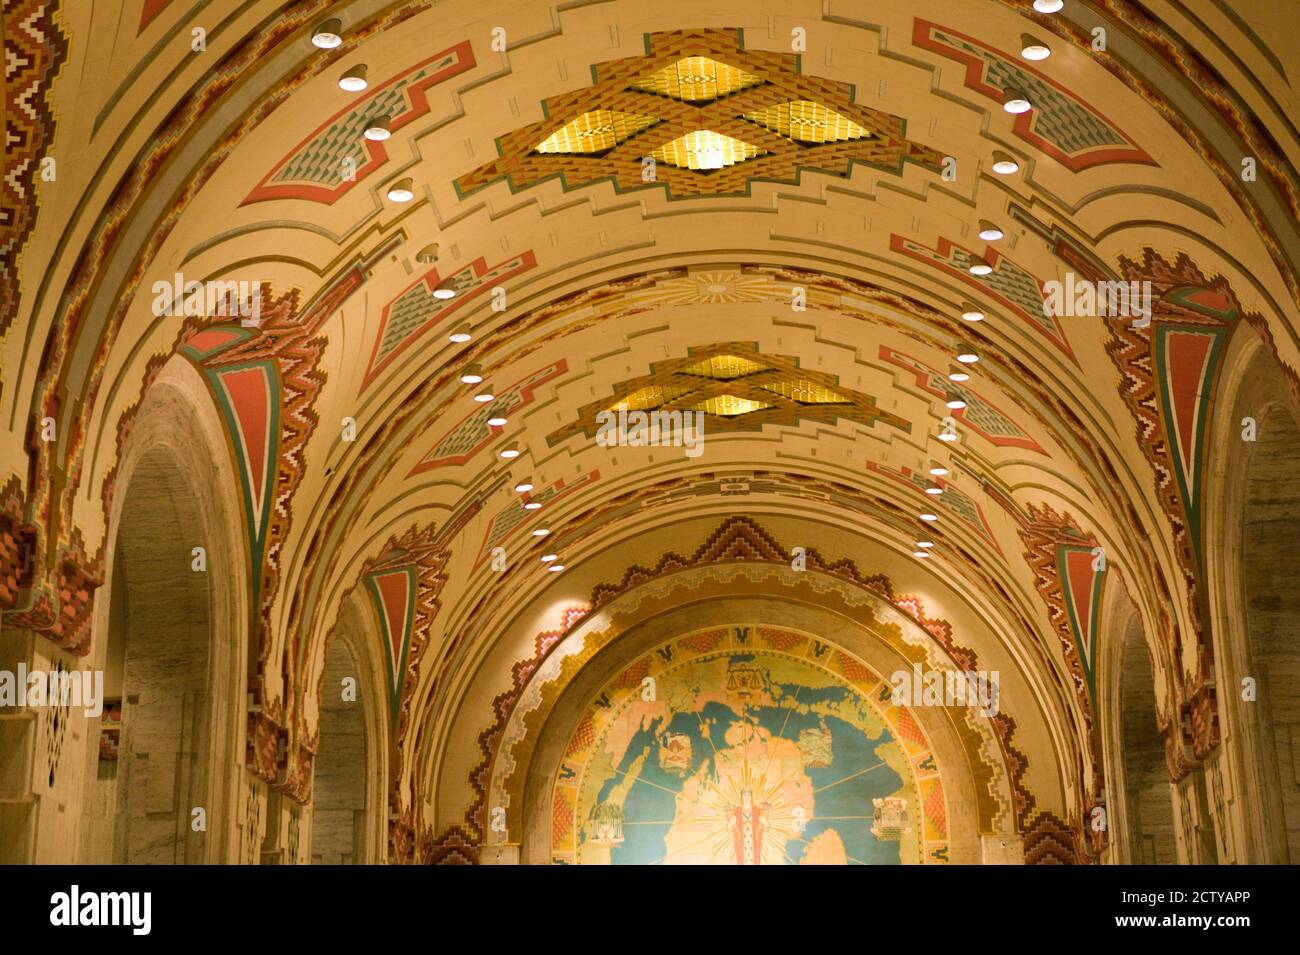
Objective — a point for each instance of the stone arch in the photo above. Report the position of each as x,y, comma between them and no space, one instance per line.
171,636
349,788
1141,820
1254,494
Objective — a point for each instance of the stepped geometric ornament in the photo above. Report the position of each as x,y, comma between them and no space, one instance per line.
699,115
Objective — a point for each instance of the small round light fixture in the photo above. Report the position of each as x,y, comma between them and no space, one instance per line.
541,532
938,470
401,191
934,490
328,35
1014,101
1004,165
989,232
555,568
967,355
925,544
444,293
485,394
460,334
497,421
980,267
428,255
947,436
377,131
354,80
970,313
1032,49
550,558
472,375
1048,6
929,516
532,505
920,553
955,403
510,451
958,375
524,486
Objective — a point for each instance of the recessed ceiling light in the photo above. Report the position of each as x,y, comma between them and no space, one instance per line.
934,490
401,191
354,80
958,375
377,130
460,334
532,505
555,568
980,267
956,404
524,486
1004,165
472,375
497,421
549,558
1048,6
928,516
920,553
328,35
510,451
485,394
1014,101
989,232
967,355
1032,49
938,470
444,293
541,532
971,314
927,544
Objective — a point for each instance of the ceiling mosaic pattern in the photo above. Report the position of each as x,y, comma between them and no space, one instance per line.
738,389
711,114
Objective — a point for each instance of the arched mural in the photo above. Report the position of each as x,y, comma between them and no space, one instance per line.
747,745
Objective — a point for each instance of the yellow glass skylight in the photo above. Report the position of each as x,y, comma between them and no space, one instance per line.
697,79
653,396
705,149
595,132
724,366
729,406
806,392
808,122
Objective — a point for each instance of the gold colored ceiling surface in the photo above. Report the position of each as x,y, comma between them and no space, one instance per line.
712,115
740,389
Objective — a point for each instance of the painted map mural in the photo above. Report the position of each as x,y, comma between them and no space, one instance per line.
747,745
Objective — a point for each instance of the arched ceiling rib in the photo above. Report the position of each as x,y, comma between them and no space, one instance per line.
799,227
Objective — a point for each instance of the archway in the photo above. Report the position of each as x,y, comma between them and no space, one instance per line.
1148,802
1255,501
170,639
340,794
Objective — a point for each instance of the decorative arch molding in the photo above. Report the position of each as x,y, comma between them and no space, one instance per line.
1249,386
743,549
177,421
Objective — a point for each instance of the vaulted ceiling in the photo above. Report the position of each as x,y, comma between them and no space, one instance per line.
766,213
